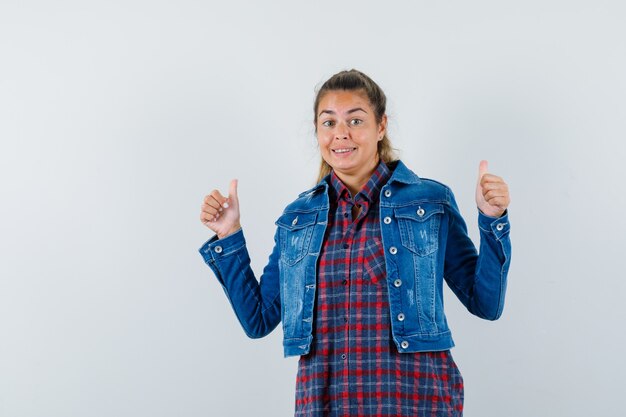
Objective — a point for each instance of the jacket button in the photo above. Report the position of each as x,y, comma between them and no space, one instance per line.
500,226
393,250
397,282
387,220
420,212
400,317
218,249
404,344
295,221
387,193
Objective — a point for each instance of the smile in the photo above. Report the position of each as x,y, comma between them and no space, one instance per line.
343,150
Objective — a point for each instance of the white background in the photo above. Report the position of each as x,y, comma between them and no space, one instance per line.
117,117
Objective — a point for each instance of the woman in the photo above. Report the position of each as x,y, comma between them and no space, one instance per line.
357,270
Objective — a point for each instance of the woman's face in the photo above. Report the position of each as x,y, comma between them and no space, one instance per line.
348,134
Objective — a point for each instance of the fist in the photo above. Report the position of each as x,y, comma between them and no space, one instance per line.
492,193
221,214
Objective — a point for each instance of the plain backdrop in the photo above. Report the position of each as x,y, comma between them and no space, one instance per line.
117,117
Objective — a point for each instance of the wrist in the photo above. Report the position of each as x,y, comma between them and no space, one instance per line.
494,215
233,230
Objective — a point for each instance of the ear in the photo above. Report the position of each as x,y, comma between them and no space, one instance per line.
382,127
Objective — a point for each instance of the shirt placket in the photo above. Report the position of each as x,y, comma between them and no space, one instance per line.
349,242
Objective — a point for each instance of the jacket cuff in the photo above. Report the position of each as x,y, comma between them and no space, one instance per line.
498,226
214,249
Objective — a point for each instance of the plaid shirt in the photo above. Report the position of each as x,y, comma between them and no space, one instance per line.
353,368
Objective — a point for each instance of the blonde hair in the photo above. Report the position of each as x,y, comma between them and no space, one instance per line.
354,80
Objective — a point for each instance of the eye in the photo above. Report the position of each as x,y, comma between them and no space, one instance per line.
327,123
356,122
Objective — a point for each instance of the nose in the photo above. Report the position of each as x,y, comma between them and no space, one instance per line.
341,131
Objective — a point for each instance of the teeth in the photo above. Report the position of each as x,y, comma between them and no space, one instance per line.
343,150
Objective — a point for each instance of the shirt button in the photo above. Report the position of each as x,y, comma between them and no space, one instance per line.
295,221
387,220
420,212
400,317
404,344
500,226
397,282
345,214
346,246
393,250
387,193
343,356
218,249
344,282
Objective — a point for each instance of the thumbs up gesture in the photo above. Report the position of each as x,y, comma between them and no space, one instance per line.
492,193
221,214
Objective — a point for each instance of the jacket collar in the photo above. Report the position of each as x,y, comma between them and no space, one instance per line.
323,184
401,173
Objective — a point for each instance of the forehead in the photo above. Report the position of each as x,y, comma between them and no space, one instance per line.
343,100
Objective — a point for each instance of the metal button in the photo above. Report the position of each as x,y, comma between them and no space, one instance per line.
387,193
393,250
218,249
404,344
387,220
420,212
500,226
397,282
400,317
295,221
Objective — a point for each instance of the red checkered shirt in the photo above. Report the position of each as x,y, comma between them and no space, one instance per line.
353,367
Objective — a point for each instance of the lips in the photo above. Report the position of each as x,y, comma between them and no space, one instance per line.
343,150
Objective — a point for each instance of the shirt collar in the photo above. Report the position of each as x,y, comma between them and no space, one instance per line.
370,190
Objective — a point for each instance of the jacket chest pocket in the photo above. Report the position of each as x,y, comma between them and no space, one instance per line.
296,230
419,227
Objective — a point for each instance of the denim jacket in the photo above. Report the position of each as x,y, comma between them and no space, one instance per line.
425,241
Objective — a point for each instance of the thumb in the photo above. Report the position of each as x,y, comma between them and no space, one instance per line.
232,191
483,168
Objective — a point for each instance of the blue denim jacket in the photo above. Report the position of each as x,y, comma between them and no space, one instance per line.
425,241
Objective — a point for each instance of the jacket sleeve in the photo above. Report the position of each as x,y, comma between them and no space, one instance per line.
478,279
256,303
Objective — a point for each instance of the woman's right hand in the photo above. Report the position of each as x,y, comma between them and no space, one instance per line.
221,214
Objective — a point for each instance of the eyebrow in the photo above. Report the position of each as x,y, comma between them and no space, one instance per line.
348,112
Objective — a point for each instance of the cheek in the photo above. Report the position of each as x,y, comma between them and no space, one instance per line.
323,143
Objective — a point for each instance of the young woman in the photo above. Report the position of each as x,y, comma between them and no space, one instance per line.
356,274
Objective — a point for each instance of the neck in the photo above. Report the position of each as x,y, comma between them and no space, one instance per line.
355,182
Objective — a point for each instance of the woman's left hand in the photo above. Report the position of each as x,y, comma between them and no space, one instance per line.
492,193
